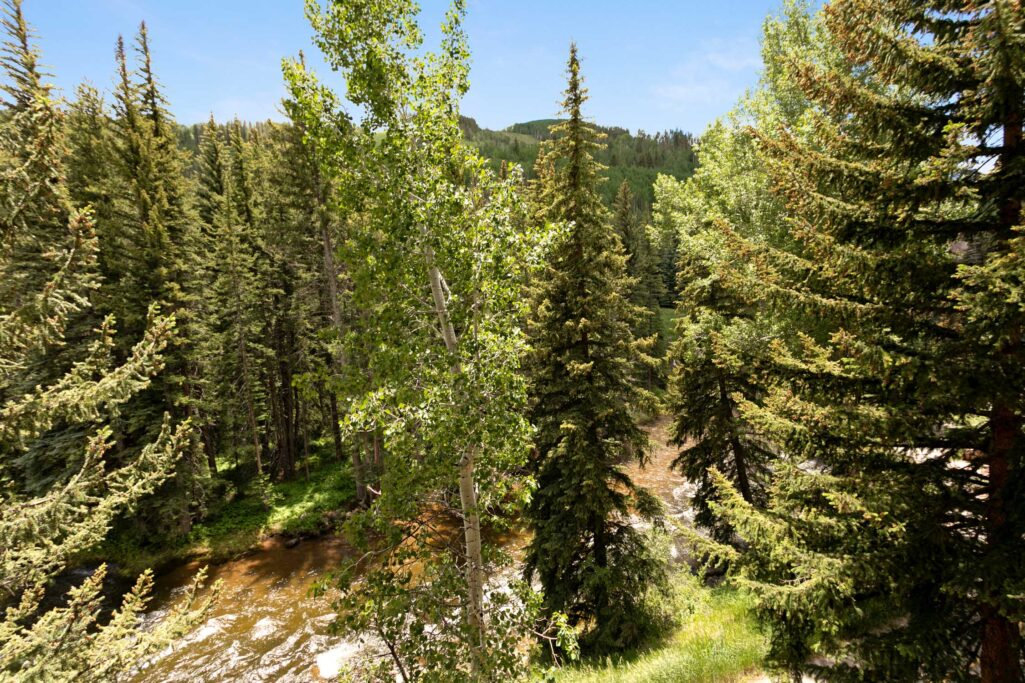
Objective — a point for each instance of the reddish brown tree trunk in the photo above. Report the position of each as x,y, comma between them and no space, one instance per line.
1000,660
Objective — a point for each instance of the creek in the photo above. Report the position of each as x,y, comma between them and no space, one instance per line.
265,625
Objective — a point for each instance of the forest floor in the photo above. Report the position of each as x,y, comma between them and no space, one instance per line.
299,507
717,641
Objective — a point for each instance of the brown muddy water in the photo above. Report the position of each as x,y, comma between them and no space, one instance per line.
265,625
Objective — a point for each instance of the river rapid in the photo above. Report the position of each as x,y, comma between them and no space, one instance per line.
264,625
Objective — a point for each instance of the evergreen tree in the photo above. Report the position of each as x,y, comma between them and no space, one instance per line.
234,305
292,224
43,530
893,551
210,176
591,560
88,158
722,359
718,358
642,267
150,246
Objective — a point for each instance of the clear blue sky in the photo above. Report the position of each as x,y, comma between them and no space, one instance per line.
650,64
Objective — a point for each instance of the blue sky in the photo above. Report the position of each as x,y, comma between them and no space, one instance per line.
650,64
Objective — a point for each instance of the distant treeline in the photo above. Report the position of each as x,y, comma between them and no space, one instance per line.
637,159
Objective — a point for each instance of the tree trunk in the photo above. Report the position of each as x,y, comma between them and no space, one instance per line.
337,361
301,418
999,661
287,436
739,459
467,491
254,431
336,430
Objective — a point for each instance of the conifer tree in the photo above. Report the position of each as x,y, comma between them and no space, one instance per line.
43,530
235,305
592,562
305,173
150,246
718,358
292,224
642,267
893,552
89,154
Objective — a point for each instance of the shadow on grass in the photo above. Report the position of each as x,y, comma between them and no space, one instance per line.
716,641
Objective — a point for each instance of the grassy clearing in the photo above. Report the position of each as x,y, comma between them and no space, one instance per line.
299,507
717,641
667,322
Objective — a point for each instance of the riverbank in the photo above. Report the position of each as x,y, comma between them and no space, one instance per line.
299,508
717,640
267,624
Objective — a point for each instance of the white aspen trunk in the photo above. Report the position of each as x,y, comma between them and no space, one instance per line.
467,491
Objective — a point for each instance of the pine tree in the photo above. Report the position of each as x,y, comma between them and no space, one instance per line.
234,305
642,267
289,220
35,226
722,360
592,562
893,551
44,530
718,359
210,174
88,158
150,246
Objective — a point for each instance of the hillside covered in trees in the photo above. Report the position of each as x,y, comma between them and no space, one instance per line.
634,158
373,394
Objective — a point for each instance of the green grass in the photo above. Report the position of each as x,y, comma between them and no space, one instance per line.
667,321
299,507
717,641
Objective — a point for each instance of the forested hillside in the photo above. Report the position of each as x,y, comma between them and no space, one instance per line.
635,158
373,394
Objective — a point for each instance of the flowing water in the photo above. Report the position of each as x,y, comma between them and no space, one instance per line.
265,625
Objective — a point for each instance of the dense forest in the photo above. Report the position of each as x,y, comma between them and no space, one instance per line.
552,403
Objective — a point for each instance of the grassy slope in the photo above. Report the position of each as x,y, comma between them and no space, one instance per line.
717,642
299,507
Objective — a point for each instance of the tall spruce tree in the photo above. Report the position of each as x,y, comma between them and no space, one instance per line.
293,222
232,351
893,552
642,267
718,357
149,246
722,358
48,248
591,560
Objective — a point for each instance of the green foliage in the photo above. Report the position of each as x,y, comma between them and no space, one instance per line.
642,268
888,547
715,639
49,250
436,261
633,159
721,358
591,560
147,243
